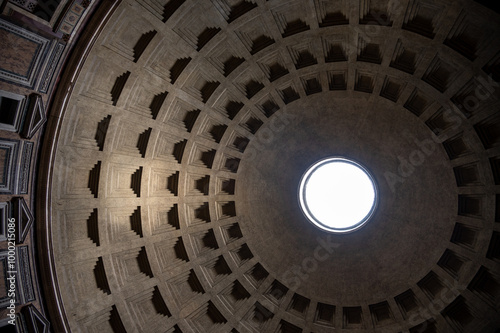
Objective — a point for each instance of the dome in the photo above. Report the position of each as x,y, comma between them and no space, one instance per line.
178,137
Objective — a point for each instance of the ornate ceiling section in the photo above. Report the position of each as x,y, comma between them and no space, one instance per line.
153,209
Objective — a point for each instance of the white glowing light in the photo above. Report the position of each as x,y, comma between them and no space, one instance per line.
337,195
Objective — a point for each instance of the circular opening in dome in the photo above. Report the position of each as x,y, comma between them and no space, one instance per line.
338,195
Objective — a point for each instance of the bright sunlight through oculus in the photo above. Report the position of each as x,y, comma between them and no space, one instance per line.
337,195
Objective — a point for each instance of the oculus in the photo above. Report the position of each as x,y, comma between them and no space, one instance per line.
338,195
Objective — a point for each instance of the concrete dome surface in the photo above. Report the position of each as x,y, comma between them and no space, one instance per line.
167,198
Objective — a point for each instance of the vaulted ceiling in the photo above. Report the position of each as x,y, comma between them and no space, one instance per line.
176,157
